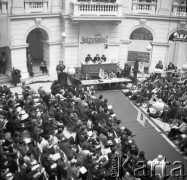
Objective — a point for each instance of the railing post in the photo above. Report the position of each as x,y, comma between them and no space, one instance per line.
76,9
153,9
175,8
4,8
45,6
134,8
27,7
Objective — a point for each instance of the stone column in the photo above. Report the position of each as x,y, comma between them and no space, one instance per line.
123,54
158,52
19,59
52,55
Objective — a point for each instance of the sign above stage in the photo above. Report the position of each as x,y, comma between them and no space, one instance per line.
93,39
180,35
98,39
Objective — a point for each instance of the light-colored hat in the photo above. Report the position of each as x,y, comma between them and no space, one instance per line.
160,157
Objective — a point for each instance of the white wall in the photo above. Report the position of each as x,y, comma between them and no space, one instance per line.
54,52
18,57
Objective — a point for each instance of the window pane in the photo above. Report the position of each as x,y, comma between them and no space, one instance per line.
141,34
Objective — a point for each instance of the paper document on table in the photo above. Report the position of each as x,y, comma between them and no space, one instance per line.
101,73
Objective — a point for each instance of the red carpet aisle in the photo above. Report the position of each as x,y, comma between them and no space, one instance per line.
147,138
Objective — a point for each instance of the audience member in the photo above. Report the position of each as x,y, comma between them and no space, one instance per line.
103,58
88,59
96,58
3,61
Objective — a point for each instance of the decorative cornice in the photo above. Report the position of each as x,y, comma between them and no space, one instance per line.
113,44
160,44
19,46
97,18
52,43
155,17
38,15
125,42
70,44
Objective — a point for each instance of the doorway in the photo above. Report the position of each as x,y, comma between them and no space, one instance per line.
36,48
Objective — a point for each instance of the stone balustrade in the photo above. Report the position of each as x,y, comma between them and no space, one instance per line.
96,9
144,8
179,9
3,6
36,7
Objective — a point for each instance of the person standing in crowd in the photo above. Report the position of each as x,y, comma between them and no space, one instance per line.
88,59
29,65
126,70
160,66
3,60
171,66
43,67
135,70
60,69
16,75
103,58
96,58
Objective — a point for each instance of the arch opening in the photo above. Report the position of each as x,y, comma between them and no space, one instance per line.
140,38
36,47
141,34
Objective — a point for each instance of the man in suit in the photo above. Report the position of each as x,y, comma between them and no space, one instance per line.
3,60
60,71
96,58
127,70
135,70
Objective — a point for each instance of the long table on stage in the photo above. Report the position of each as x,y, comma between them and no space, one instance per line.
95,68
105,81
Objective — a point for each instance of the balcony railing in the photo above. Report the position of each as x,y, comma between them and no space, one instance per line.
179,10
36,7
3,6
144,8
97,9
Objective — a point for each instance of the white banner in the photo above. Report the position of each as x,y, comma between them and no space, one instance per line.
93,39
101,73
141,68
141,118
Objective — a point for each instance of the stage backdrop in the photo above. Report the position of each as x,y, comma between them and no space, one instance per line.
4,30
93,39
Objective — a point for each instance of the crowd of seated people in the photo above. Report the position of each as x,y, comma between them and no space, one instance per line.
66,134
96,59
172,92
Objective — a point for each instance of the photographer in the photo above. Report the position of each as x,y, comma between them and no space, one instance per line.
16,75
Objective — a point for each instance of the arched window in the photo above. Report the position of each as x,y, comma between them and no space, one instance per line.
141,34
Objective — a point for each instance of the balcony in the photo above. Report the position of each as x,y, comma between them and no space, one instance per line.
3,6
96,10
179,9
36,6
144,8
